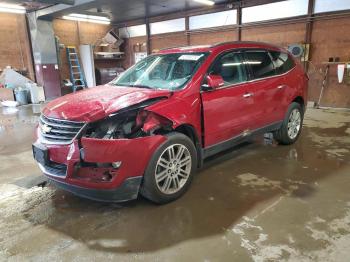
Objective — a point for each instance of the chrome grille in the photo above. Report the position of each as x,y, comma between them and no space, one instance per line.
59,131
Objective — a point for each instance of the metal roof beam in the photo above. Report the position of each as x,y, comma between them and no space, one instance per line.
60,9
53,2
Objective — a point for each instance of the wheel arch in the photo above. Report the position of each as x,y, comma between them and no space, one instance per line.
300,100
189,131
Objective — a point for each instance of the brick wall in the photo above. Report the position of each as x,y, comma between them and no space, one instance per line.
208,38
76,33
14,45
159,42
132,45
281,35
330,38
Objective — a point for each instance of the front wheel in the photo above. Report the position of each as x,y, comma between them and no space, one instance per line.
170,171
291,125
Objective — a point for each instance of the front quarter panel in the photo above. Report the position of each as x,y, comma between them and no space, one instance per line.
181,111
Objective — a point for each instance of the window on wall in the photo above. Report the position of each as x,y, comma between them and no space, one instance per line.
276,10
260,63
322,6
213,20
132,31
169,26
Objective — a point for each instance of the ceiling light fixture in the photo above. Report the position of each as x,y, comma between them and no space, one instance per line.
88,18
9,8
205,2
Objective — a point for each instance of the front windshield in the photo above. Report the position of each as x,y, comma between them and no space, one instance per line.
164,71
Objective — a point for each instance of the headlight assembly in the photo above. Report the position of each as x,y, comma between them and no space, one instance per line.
130,124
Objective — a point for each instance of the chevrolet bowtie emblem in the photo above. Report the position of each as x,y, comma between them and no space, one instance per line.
45,128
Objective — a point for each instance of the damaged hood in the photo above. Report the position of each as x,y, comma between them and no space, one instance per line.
98,102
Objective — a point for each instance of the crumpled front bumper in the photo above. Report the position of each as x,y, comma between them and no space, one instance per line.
68,173
128,190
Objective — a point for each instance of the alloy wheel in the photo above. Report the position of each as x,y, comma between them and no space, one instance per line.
173,168
294,123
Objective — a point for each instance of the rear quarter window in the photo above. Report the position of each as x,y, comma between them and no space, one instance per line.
282,62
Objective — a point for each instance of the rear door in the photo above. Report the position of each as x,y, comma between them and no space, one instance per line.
227,111
265,87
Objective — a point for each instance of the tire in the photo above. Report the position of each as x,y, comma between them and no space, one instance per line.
284,136
163,189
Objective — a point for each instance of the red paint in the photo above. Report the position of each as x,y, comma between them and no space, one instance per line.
215,81
226,113
48,76
152,122
133,153
96,103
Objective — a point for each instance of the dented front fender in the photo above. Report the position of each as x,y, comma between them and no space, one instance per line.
180,111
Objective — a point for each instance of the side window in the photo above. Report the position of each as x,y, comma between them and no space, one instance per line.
260,63
231,67
282,61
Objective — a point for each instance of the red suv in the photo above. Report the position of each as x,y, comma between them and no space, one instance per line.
152,127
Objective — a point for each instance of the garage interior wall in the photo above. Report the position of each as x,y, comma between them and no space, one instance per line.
132,45
330,38
76,33
15,49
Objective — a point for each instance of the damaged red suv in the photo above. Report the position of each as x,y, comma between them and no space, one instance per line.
149,130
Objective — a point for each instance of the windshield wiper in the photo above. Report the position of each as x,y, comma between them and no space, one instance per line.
141,86
137,86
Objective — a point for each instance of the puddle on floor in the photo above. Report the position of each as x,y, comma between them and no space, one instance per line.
231,189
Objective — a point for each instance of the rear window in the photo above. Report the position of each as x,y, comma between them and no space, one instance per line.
260,63
282,61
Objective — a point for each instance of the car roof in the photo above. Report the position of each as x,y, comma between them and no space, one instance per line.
221,46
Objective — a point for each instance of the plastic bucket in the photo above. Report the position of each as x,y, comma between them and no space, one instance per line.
21,96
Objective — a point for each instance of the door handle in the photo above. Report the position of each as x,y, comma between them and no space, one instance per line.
247,95
281,87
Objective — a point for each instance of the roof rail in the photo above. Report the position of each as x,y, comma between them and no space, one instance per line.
245,42
186,46
220,44
179,46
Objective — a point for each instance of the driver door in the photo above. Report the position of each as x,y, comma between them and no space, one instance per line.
227,110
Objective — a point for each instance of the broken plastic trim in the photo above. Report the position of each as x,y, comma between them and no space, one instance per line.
150,122
129,123
141,105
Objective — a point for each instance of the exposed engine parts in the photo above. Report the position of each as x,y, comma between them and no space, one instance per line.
129,124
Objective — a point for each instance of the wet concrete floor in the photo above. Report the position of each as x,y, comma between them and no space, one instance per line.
258,202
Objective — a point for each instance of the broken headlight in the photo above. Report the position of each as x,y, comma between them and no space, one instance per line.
130,124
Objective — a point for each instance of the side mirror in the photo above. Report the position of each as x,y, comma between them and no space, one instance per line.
215,81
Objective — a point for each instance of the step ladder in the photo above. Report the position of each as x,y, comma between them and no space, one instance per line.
76,74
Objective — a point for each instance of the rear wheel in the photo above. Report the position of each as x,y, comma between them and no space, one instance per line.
170,171
291,126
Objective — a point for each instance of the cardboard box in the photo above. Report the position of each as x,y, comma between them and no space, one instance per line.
6,94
